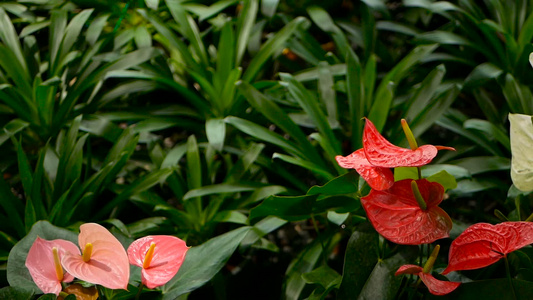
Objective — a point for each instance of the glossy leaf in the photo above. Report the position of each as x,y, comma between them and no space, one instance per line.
396,215
381,153
377,177
203,262
483,244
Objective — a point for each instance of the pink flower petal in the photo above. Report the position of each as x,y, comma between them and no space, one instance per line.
108,265
169,253
382,153
438,287
378,178
396,215
40,263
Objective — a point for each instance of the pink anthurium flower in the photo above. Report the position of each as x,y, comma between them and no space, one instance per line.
483,244
159,256
397,214
43,262
104,260
374,160
434,285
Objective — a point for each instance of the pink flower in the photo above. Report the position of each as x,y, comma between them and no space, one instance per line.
104,260
159,256
435,286
43,262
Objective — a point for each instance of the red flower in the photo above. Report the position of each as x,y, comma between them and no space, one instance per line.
378,178
159,256
397,216
378,155
382,153
435,286
483,244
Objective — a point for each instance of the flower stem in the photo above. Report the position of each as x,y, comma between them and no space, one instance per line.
141,286
508,271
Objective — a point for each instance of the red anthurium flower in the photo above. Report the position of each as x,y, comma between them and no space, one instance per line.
43,262
435,286
378,178
483,244
159,256
381,153
104,260
397,216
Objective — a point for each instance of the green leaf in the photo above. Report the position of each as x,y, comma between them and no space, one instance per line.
215,130
13,292
217,189
522,157
445,179
245,23
304,263
323,276
344,184
359,261
203,262
273,45
17,273
382,283
285,207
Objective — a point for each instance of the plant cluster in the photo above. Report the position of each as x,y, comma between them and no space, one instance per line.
229,124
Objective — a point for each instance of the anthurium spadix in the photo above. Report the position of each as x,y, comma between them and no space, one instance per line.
483,244
103,260
159,256
397,215
43,262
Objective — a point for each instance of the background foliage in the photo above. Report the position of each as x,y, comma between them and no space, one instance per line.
219,122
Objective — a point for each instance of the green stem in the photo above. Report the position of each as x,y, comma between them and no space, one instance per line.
508,271
419,170
324,258
141,286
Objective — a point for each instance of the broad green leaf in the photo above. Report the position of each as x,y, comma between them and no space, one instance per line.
482,74
382,283
17,273
304,263
290,208
323,276
482,164
490,130
13,292
12,127
268,7
423,95
13,208
445,179
262,228
325,174
522,155
359,261
203,262
344,184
